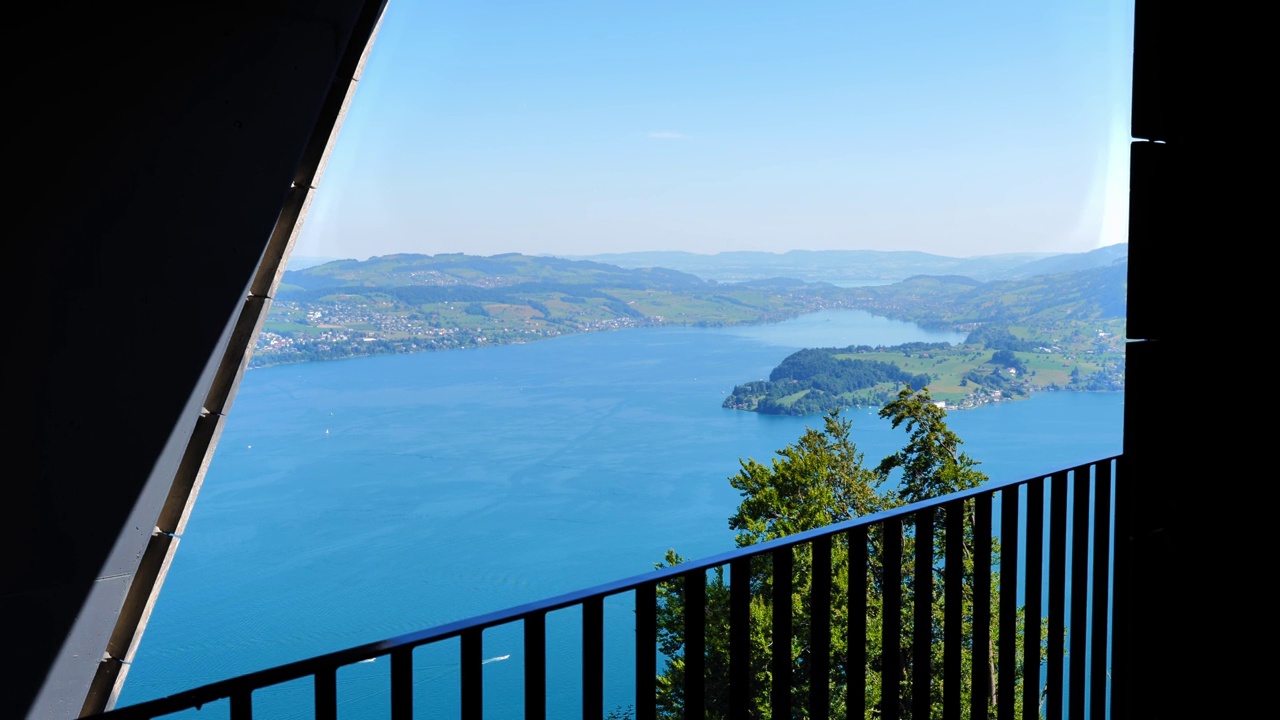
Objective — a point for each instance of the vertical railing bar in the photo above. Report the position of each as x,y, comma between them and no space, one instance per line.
780,697
740,696
980,696
1121,581
1006,656
820,630
856,642
535,666
646,651
1079,591
472,685
402,683
1054,646
891,639
242,705
1101,590
953,611
922,605
326,690
695,627
593,658
1033,605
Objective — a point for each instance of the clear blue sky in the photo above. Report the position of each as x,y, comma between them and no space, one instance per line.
579,127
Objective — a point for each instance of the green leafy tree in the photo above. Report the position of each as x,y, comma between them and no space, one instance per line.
932,463
816,481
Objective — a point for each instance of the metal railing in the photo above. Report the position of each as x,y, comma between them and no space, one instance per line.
1005,610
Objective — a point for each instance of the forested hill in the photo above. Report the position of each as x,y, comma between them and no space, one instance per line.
817,380
992,365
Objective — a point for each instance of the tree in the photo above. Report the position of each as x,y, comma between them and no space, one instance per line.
1007,359
932,463
818,480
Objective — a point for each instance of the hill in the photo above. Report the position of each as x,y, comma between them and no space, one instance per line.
408,303
957,302
1060,331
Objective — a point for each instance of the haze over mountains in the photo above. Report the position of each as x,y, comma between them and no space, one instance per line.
860,267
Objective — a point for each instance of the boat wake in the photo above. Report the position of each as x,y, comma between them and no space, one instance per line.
496,659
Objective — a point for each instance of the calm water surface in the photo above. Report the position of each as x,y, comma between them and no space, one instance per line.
355,500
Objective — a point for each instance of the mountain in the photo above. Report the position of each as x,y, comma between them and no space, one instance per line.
959,302
858,267
1101,257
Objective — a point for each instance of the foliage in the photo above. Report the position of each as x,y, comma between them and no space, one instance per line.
932,462
817,380
818,480
997,379
1007,359
996,336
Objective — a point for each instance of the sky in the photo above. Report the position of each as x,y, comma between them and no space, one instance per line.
575,127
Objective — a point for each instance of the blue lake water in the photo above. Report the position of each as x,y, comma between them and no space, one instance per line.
352,501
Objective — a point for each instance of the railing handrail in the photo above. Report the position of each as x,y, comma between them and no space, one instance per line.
311,666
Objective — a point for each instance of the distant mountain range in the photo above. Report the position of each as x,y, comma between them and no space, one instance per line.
1102,257
959,302
860,267
1049,289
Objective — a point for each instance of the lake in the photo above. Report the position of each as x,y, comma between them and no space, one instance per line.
351,501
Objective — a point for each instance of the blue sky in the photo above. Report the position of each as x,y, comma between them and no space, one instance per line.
579,127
